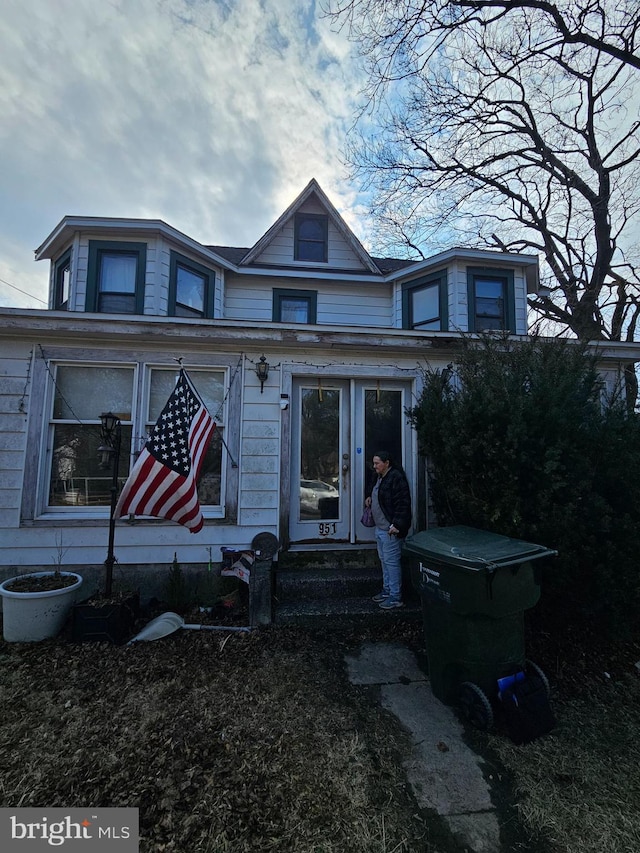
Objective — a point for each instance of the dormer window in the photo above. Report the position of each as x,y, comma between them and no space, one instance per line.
115,277
190,288
311,237
491,300
424,303
62,280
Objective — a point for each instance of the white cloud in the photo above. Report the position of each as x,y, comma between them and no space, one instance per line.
210,115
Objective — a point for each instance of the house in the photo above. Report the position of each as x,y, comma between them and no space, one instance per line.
306,350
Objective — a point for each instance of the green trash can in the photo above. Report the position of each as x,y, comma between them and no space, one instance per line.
475,587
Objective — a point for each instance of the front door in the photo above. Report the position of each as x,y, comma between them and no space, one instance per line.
337,426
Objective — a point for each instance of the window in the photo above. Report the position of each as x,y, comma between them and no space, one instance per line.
491,301
191,288
82,393
115,277
424,303
311,237
62,280
294,306
210,386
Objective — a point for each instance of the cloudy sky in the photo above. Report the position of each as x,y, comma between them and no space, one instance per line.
209,114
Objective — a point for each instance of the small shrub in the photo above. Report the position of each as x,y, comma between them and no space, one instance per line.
177,593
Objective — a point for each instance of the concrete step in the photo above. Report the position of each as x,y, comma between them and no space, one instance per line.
327,558
327,583
313,611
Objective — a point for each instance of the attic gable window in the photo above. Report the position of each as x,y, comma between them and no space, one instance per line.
311,232
115,277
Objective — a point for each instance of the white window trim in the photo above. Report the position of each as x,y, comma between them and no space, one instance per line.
35,509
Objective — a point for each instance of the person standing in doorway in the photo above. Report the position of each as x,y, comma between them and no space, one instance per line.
390,502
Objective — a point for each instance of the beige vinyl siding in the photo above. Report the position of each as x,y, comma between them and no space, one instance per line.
247,300
156,290
150,279
458,296
260,450
15,369
151,289
81,272
458,307
338,303
520,288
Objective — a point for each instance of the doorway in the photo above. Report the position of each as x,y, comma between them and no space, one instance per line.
336,427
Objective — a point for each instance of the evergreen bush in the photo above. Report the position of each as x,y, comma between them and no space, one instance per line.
522,439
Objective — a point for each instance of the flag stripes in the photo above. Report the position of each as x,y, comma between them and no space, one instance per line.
163,481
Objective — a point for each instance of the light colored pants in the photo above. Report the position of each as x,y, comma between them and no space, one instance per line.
389,551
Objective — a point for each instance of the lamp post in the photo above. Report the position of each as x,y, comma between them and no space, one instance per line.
109,451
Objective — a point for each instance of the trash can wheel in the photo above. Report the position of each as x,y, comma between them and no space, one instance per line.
475,705
535,669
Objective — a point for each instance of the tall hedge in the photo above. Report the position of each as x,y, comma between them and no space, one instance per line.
522,439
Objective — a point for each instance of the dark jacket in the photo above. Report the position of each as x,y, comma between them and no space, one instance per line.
395,500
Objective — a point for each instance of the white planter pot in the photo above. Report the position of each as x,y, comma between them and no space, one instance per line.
29,617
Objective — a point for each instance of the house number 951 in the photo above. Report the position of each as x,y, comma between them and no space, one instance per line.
326,528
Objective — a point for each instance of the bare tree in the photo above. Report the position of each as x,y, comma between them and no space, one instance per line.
510,124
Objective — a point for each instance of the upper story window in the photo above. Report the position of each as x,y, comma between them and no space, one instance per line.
424,303
191,288
62,281
491,300
294,306
311,232
115,277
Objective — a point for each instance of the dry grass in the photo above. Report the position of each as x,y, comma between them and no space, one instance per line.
231,743
578,789
224,742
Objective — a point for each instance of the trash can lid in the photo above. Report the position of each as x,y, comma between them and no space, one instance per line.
472,549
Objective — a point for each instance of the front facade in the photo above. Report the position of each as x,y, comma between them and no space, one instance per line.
345,336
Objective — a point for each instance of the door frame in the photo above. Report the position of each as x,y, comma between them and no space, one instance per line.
357,374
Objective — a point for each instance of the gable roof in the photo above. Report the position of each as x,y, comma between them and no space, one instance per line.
313,189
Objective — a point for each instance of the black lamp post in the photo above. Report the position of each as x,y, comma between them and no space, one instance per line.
109,451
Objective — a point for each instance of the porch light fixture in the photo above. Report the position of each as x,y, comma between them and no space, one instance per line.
109,451
262,371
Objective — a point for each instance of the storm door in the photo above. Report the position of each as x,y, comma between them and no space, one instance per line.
337,426
321,478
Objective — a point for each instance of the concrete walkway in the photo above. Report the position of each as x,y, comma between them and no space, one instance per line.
444,773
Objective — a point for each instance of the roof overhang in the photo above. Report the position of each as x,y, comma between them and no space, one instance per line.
64,232
74,328
478,257
63,235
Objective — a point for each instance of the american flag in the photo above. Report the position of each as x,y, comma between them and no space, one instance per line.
163,480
